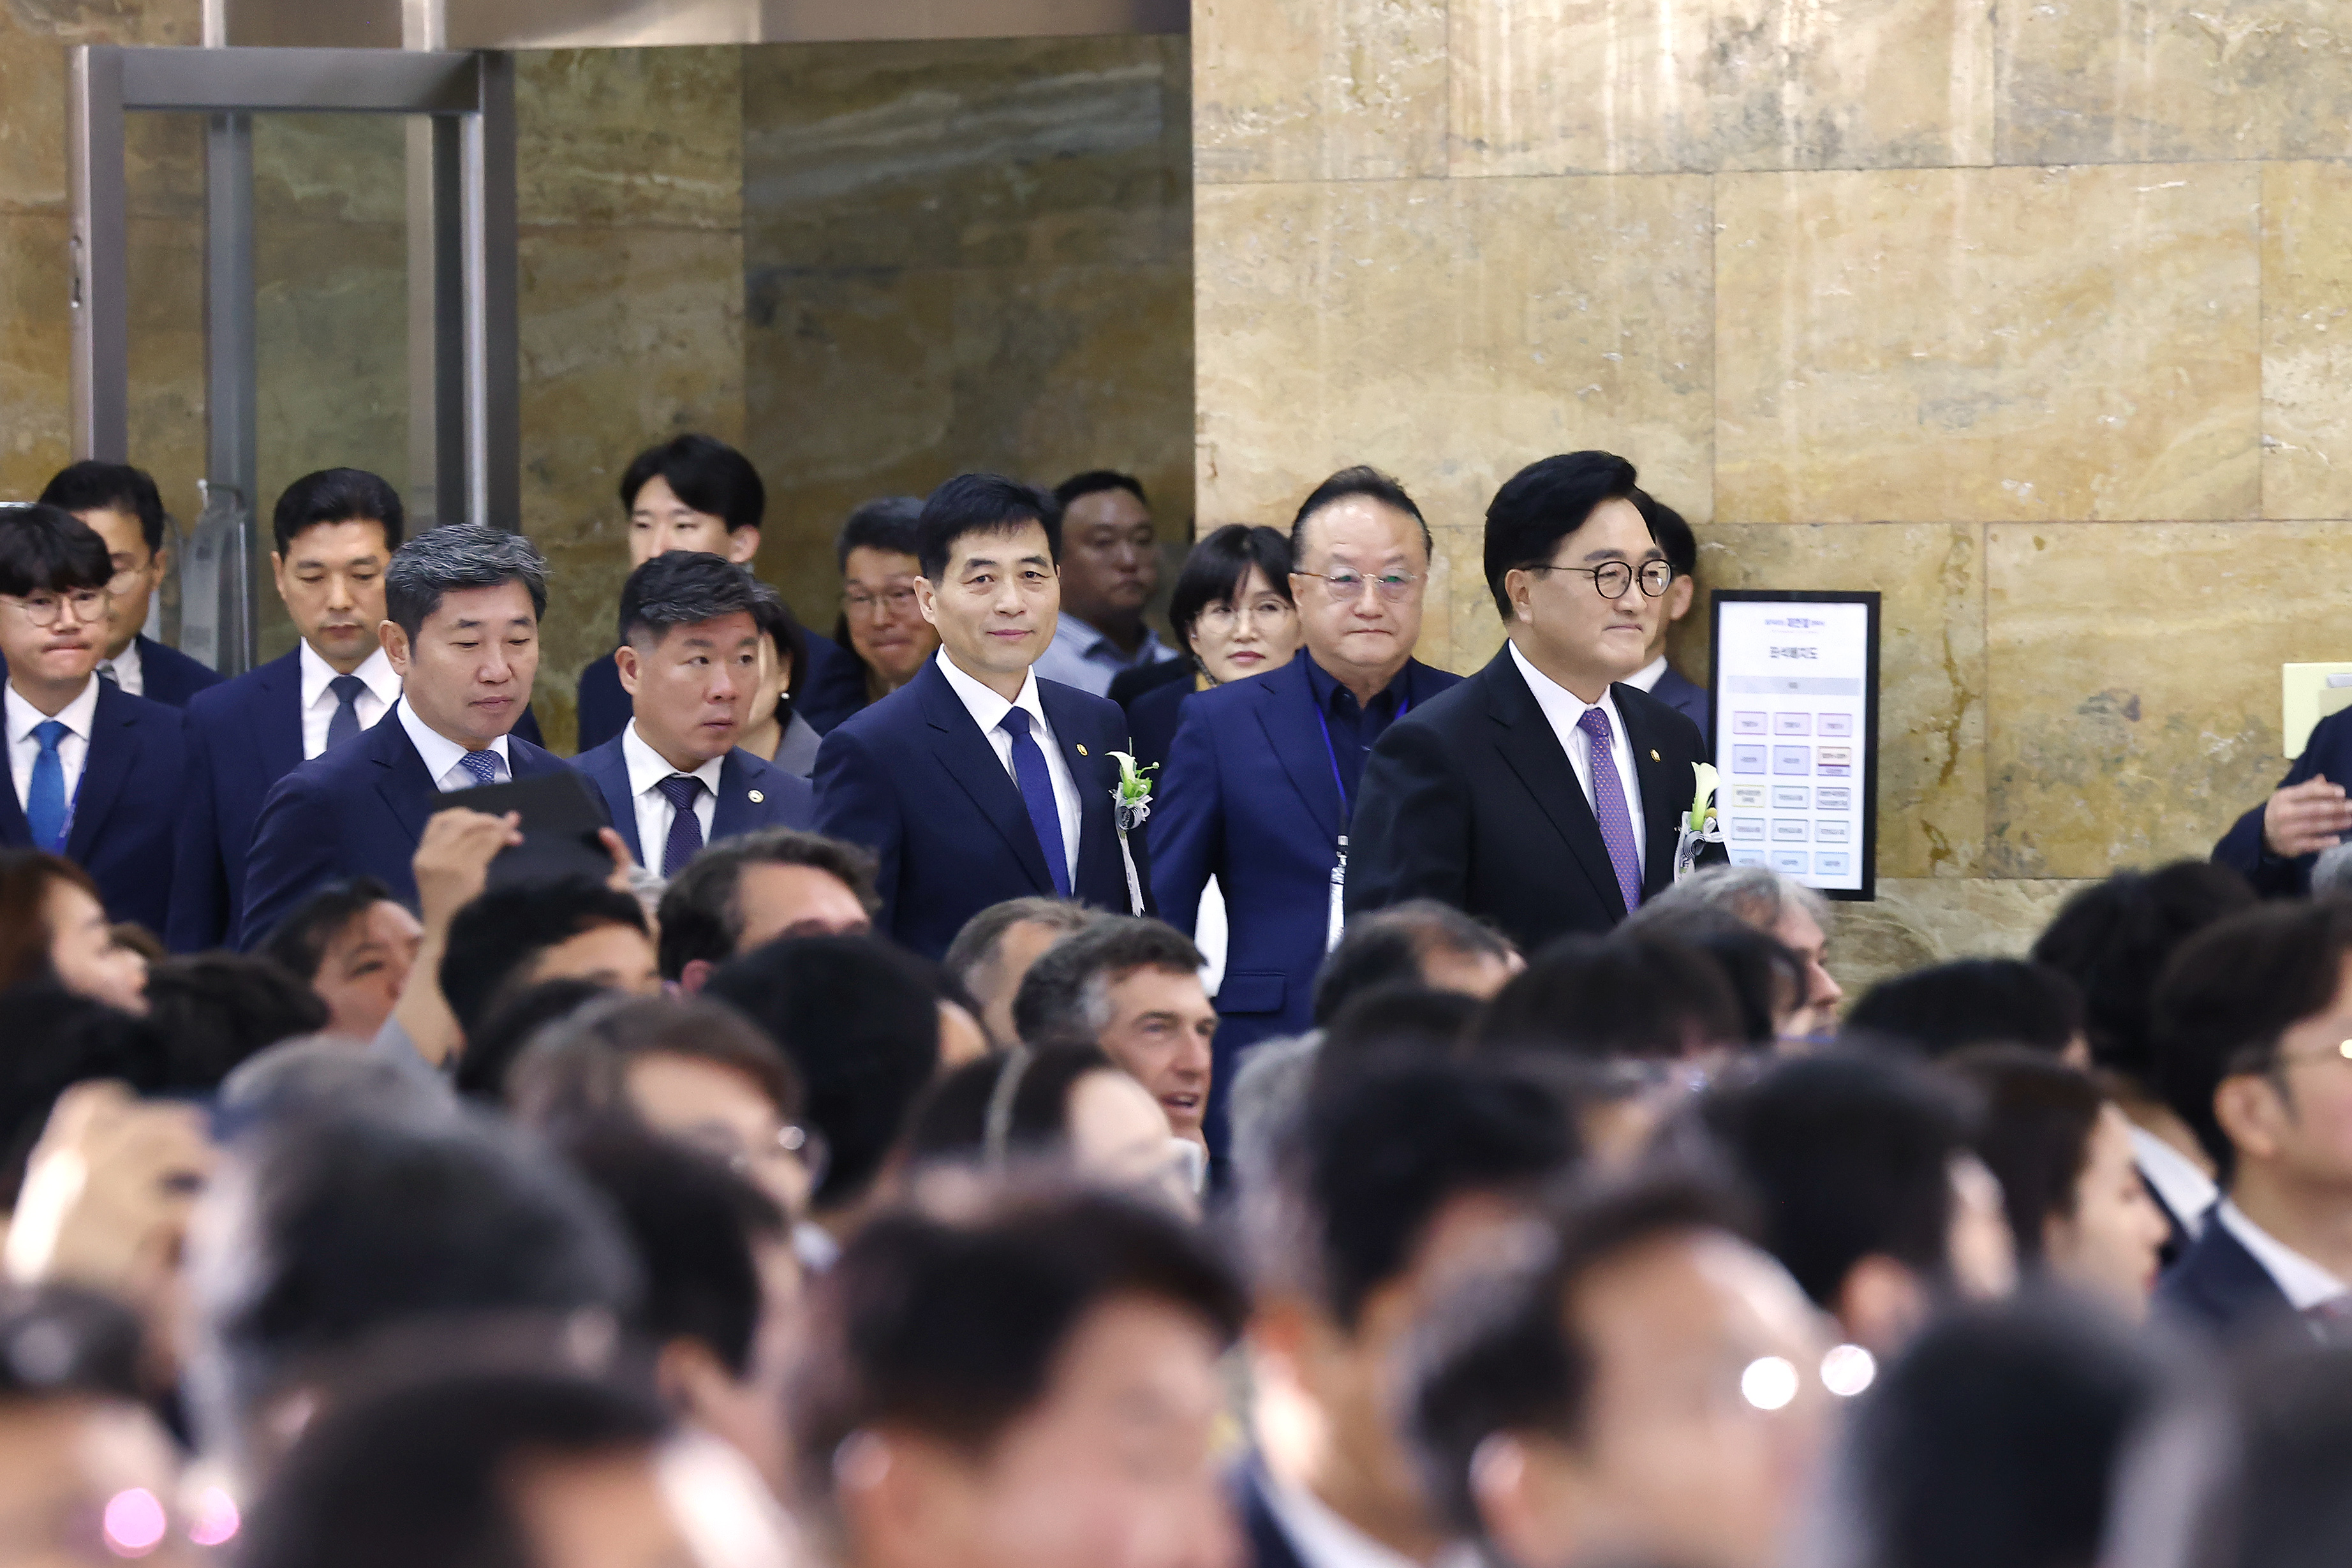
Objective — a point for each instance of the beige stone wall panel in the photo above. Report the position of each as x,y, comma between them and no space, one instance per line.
630,138
1916,923
1319,89
2001,344
2307,339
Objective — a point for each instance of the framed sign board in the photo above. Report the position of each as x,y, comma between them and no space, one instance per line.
1794,691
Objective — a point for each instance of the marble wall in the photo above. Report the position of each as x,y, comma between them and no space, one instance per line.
2032,318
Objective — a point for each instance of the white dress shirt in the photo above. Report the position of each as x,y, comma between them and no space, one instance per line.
1566,711
1646,677
441,754
2303,1283
1320,1537
73,751
1082,657
2187,1191
987,711
654,813
130,672
319,704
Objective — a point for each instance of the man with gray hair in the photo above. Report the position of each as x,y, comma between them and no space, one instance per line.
1133,988
1779,907
462,606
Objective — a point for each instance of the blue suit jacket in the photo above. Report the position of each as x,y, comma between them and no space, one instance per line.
244,735
1153,720
2221,1290
783,800
171,676
1268,1546
913,779
1686,697
125,809
356,809
2327,754
1248,798
605,707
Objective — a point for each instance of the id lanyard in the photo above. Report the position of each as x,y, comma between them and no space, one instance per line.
1338,916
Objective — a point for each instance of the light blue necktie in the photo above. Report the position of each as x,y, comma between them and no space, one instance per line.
1037,795
483,766
44,803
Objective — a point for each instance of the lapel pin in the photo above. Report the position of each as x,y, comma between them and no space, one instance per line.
1655,757
757,798
1082,751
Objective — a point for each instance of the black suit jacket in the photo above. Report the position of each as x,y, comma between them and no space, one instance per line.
1268,1546
2220,1289
1470,799
126,809
913,779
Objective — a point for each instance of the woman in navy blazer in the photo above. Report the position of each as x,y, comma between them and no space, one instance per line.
1233,617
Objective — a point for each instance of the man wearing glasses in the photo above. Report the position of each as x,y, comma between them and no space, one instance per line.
1544,794
1264,774
96,772
121,505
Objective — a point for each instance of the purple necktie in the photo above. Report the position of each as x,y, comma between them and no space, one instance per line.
1609,809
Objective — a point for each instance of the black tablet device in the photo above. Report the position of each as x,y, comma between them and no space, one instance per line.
561,816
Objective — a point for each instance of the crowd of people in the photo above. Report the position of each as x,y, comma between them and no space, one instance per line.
996,1086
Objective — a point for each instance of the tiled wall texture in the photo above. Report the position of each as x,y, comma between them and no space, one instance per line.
2037,319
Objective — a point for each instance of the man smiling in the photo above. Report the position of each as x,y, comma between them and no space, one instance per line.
976,781
461,629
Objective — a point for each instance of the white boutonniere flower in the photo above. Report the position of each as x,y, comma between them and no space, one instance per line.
1701,824
1130,804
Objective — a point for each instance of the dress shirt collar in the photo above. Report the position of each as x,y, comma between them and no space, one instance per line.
2187,1191
2303,1283
1564,707
1090,642
648,767
1646,679
1335,698
440,752
80,715
374,672
1320,1537
129,670
987,709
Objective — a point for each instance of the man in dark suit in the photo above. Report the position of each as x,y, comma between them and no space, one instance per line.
1543,794
95,772
122,505
1263,772
1659,679
2254,1022
335,531
976,781
674,778
2275,845
462,606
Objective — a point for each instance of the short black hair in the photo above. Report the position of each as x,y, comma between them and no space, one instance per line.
2114,939
1403,1018
511,1021
1094,481
1544,502
1359,481
784,631
705,473
2034,1130
2229,993
952,1120
339,495
1948,1007
694,1225
1672,533
860,1019
358,1221
454,557
1396,943
699,918
1999,1435
1851,1157
888,523
215,1009
1061,1000
45,549
92,486
57,1038
427,1472
1765,977
685,588
1505,1354
298,943
982,936
493,940
575,1071
972,504
1219,564
953,1331
1614,997
1374,1156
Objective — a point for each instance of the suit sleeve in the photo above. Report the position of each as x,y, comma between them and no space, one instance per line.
1188,822
2243,849
856,801
1410,837
198,917
294,843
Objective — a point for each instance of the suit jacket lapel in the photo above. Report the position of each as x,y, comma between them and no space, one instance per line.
732,813
1087,773
1287,716
610,776
112,745
973,763
1662,803
403,785
1534,753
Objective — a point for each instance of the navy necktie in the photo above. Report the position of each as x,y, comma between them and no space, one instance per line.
45,802
685,841
1037,795
483,766
344,723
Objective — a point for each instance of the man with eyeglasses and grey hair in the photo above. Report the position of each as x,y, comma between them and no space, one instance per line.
461,630
1265,773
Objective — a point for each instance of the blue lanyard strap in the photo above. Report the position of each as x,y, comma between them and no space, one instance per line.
1346,807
